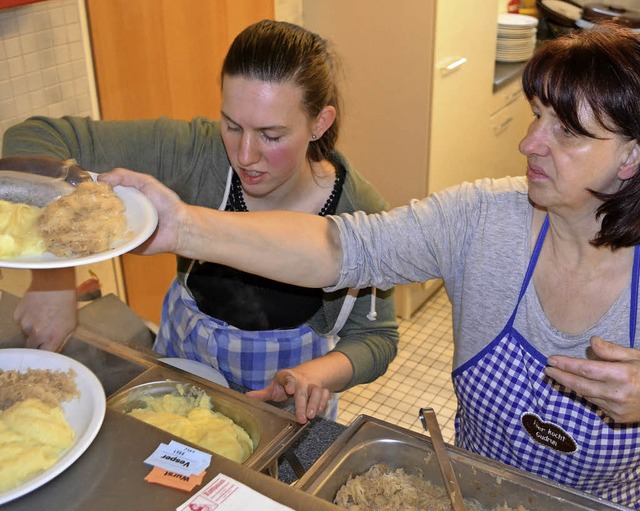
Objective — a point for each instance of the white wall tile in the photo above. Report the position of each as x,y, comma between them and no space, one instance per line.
16,67
35,81
60,37
6,92
12,47
8,26
47,57
50,76
57,17
32,62
20,85
44,39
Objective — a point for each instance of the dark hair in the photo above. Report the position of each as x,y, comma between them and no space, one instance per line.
599,67
278,52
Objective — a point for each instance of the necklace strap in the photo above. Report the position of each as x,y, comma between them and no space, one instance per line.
236,196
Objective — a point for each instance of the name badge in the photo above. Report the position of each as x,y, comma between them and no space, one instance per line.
548,434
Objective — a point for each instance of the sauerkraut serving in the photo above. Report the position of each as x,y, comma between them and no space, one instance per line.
19,233
382,488
85,222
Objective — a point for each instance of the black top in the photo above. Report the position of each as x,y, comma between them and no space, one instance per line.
250,302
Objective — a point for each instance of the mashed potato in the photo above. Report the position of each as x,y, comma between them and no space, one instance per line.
32,437
192,419
19,233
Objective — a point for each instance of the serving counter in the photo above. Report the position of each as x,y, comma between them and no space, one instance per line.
110,473
318,457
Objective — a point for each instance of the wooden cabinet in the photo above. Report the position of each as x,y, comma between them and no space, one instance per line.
157,58
421,112
413,126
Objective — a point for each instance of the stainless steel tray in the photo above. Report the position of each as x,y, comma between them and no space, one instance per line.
271,429
368,441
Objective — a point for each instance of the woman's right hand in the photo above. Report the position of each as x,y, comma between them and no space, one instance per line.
167,203
47,313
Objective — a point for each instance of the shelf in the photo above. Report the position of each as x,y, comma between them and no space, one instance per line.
505,73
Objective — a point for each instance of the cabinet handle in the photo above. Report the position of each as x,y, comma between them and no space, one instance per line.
513,95
450,65
499,128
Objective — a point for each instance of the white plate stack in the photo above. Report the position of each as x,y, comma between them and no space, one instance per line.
516,37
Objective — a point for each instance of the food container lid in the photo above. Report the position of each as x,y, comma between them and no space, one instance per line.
560,12
606,12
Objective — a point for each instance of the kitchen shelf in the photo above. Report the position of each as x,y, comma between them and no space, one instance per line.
505,73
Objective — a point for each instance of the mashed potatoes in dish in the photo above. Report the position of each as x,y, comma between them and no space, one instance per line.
19,233
32,437
33,429
192,419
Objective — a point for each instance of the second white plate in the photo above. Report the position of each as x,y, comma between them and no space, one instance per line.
84,413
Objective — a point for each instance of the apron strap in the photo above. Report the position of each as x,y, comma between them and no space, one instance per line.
532,266
227,190
347,306
633,308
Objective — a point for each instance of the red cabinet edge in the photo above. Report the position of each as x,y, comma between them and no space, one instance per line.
14,3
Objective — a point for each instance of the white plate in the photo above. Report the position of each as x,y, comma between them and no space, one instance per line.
142,219
85,413
511,20
198,368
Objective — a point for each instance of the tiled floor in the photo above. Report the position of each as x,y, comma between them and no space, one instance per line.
419,376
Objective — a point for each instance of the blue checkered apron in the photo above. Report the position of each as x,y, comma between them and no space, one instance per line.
246,358
508,410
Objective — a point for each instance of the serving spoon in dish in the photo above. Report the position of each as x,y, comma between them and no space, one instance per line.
430,424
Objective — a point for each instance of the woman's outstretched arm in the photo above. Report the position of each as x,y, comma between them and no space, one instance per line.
296,248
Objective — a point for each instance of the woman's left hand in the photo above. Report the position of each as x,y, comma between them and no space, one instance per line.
310,384
611,382
311,397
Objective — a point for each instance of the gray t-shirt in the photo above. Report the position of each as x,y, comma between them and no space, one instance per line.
477,238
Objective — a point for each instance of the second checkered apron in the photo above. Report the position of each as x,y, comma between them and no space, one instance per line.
246,358
508,410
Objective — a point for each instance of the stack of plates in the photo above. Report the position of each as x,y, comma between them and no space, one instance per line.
516,37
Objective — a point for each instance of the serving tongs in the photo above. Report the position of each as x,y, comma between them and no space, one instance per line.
430,424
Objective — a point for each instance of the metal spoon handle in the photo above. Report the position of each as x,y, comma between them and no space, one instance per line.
430,423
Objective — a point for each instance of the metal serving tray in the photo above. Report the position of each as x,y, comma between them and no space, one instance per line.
271,429
368,441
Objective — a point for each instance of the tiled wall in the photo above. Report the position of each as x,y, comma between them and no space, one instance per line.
44,62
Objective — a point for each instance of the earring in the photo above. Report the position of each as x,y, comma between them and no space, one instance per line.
313,136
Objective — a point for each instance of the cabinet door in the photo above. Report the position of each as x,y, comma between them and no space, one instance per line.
386,52
461,136
157,58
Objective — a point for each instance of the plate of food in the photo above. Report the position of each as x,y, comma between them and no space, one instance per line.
44,428
85,223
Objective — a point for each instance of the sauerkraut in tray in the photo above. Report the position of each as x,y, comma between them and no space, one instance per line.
382,488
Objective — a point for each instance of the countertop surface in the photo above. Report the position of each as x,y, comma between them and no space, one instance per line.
505,73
